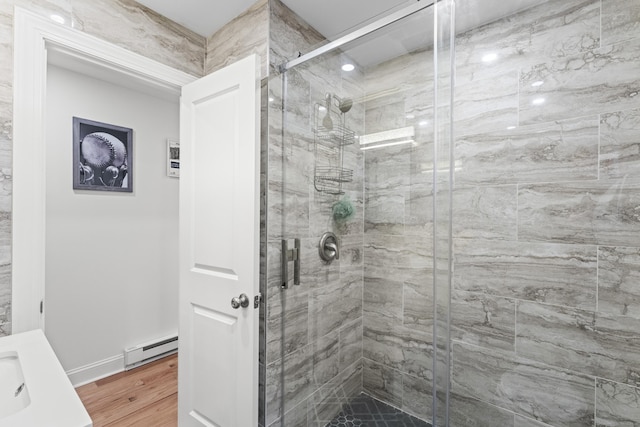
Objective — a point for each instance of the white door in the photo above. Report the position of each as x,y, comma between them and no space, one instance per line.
219,248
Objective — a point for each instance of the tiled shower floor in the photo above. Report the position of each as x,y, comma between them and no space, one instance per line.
364,410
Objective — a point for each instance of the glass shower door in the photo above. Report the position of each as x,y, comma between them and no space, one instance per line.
352,147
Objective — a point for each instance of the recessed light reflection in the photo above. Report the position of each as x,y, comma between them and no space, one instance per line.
511,128
322,108
271,99
538,101
490,57
410,116
537,84
57,18
423,123
348,67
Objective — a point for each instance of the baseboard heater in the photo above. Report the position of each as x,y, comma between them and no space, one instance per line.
148,352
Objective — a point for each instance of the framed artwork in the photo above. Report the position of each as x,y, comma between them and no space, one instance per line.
173,158
102,156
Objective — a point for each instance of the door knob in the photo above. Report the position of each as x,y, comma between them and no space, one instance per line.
241,301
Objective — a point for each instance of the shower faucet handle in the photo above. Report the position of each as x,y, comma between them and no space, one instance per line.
334,248
328,247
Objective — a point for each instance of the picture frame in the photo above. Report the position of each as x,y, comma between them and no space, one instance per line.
102,156
173,158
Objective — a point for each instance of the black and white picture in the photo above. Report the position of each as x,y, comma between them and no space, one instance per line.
102,156
173,158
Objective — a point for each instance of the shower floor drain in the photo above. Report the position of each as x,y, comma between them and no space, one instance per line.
366,411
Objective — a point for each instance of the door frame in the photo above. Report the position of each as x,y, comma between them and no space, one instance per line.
34,36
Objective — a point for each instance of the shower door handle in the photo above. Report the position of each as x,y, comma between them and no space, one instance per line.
290,255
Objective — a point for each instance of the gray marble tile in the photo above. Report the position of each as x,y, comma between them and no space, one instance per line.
326,359
521,421
483,320
555,151
299,112
601,80
620,21
351,251
618,276
417,296
486,104
617,404
620,144
350,344
287,322
295,417
401,80
288,210
139,29
288,383
416,397
418,209
325,404
288,34
592,343
603,213
384,117
485,212
542,392
387,168
553,29
335,303
397,347
384,212
550,273
470,412
382,295
404,251
382,383
246,34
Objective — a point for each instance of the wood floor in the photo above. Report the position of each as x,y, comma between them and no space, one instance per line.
145,396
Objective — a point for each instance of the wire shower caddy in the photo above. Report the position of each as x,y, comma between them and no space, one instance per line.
330,138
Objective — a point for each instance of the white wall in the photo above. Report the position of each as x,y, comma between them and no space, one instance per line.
111,258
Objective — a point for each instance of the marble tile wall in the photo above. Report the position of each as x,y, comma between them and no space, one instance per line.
314,330
398,244
122,22
246,34
545,318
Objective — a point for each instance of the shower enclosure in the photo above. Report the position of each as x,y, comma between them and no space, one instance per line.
477,165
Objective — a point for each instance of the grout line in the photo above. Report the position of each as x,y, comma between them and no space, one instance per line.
598,163
597,278
517,212
515,327
600,23
595,401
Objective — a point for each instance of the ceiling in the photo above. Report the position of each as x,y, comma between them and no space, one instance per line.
331,18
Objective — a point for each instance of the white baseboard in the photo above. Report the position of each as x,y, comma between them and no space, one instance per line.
97,370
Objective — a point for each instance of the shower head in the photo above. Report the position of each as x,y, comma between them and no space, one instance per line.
345,105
